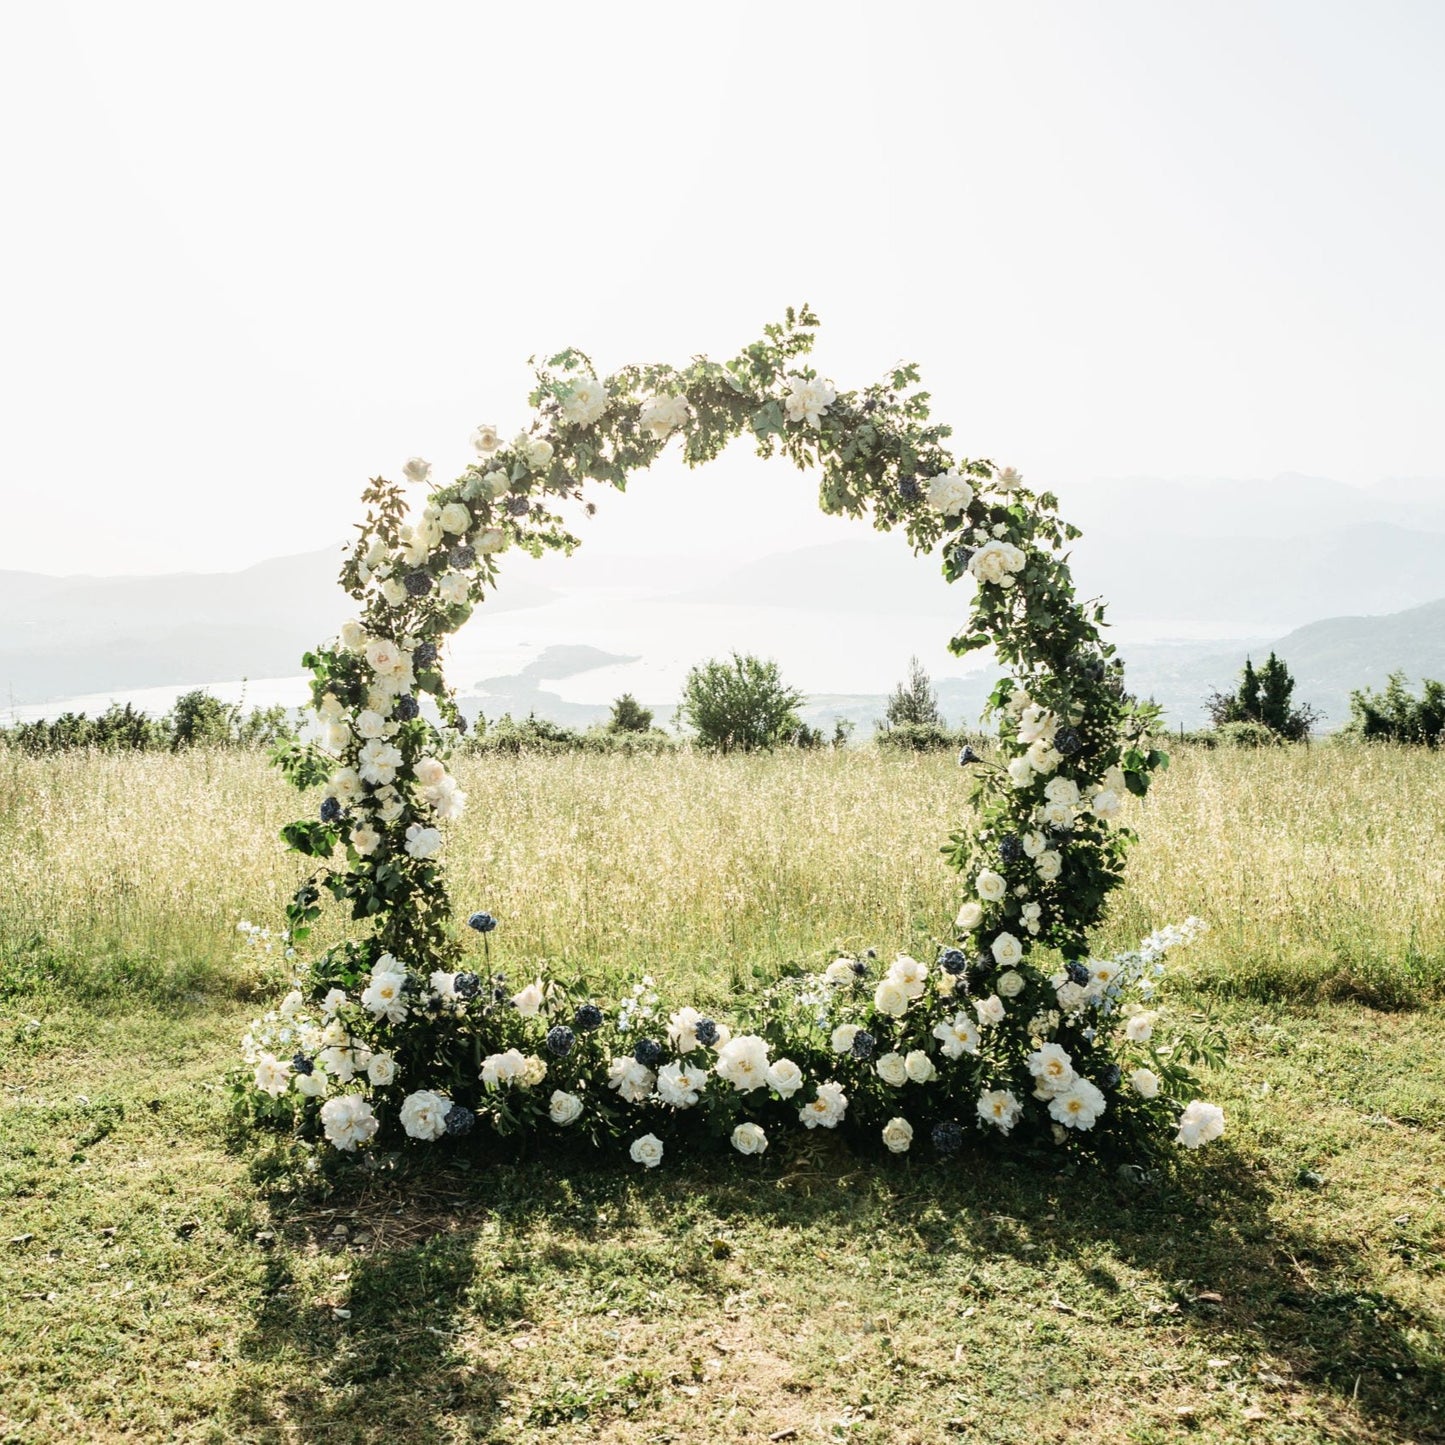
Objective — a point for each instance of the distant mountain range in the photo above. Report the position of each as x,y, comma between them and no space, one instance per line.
1262,560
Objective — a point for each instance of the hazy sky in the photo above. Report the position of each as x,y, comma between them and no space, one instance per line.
254,254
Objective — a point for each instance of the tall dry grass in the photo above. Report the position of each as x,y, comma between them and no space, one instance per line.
1322,870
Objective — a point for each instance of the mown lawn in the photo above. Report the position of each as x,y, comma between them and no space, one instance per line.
163,1279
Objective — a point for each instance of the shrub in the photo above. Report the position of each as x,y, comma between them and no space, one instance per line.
629,716
740,706
1266,698
196,720
1396,715
910,737
1247,735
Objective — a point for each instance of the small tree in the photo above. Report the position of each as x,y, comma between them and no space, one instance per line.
1266,699
629,716
1398,716
739,705
914,702
199,720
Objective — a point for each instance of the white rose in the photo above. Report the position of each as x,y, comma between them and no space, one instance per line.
898,1135
272,1075
1062,790
365,840
1042,757
990,1010
538,453
1021,772
429,771
919,1066
633,1081
1049,865
1106,804
485,438
843,1036
892,1069
455,518
662,415
1007,950
1008,480
505,1068
949,494
353,635
370,724
454,589
385,658
647,1151
997,562
490,539
840,973
381,1069
312,1085
1034,843
529,1001
827,1109
991,886
1139,1028
565,1108
969,916
393,591
416,470
534,1070
680,1084
424,1114
785,1078
749,1139
890,998
808,400
1145,1082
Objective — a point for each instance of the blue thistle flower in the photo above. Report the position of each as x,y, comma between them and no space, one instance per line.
466,985
1109,1079
459,1121
951,960
1078,972
648,1053
303,1065
860,967
518,506
908,489
706,1031
330,810
863,1044
462,556
968,756
587,1017
417,583
425,654
1011,848
482,922
560,1040
406,707
1067,741
948,1136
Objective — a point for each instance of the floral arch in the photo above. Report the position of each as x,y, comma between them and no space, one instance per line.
406,1033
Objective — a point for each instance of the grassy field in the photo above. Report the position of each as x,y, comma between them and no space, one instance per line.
159,1284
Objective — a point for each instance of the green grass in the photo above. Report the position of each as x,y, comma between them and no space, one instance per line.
162,1281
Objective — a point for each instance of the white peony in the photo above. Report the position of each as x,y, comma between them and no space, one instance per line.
958,1035
785,1078
743,1062
424,1114
991,886
585,403
969,916
1000,1108
312,1085
997,562
919,1066
416,470
348,1121
892,1069
528,1001
678,1083
898,1135
808,400
490,539
422,842
505,1068
749,1139
564,1108
682,1030
662,415
1105,804
990,1010
378,761
381,1069
384,996
647,1151
486,439
1078,1106
334,999
1199,1124
1145,1083
909,975
949,494
1139,1027
632,1081
1053,1068
827,1110
890,998
1021,772
272,1075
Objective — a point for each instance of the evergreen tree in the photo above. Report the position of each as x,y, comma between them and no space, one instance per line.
629,716
914,702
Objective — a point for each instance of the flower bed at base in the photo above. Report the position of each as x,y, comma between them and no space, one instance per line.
394,1035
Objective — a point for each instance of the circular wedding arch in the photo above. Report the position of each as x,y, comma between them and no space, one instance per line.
393,1033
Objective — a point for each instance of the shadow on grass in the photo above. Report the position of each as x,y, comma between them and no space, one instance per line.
435,1259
